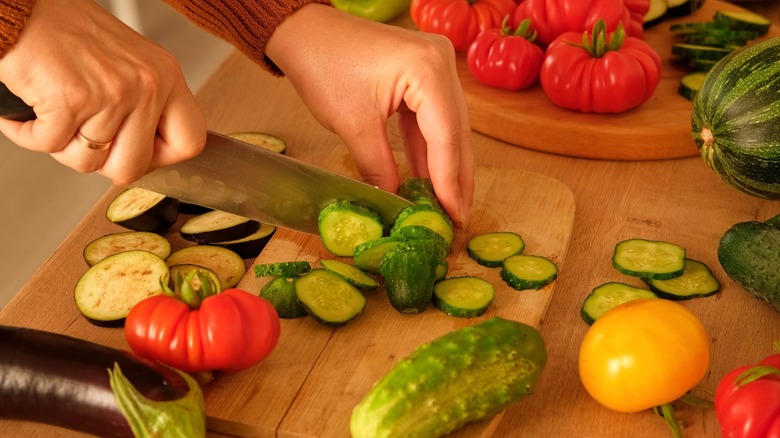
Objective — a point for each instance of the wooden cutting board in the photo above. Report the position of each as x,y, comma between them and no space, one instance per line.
657,129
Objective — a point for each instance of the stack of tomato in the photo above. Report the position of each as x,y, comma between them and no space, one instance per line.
589,55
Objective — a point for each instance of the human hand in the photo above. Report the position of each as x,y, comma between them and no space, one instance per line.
353,74
84,71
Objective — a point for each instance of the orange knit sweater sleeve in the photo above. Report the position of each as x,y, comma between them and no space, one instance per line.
13,16
246,24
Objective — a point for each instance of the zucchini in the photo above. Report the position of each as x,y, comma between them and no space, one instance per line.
354,275
107,291
649,259
280,292
700,65
490,249
528,271
609,295
656,13
735,117
749,253
463,297
367,255
328,298
409,270
427,216
467,375
697,51
743,20
227,264
250,246
90,388
696,281
216,226
143,210
282,269
343,225
690,84
111,244
264,140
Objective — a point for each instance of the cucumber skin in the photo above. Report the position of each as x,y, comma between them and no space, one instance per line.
409,279
467,375
749,253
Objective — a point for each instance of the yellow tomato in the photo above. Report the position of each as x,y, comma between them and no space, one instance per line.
643,353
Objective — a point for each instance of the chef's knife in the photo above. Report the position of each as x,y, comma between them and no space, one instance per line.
236,177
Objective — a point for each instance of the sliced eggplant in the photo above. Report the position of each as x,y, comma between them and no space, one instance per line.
250,246
109,289
261,139
656,13
227,264
115,243
190,208
79,385
217,226
143,210
680,8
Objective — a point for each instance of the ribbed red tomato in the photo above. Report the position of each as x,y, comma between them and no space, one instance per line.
459,20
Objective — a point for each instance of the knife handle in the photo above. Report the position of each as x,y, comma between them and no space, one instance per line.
12,107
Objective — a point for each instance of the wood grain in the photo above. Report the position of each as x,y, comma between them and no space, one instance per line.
652,131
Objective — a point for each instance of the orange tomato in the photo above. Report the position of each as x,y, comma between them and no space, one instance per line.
642,354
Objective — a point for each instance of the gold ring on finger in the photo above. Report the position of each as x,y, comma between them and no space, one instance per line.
90,144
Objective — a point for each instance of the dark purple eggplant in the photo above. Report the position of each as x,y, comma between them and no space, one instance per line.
68,382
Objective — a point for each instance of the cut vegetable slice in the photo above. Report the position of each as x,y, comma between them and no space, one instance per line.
696,281
107,291
426,216
250,246
690,84
142,210
343,225
368,255
261,139
282,269
227,264
610,295
743,20
350,273
655,14
115,243
280,292
328,298
490,249
649,259
464,297
528,271
217,226
696,51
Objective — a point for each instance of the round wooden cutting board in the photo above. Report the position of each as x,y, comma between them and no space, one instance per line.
658,129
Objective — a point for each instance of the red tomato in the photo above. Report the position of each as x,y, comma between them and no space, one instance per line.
638,9
580,77
459,20
750,409
552,18
230,331
505,60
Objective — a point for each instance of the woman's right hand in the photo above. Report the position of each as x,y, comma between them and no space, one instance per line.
85,72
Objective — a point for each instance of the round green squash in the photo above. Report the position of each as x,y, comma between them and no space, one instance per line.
735,119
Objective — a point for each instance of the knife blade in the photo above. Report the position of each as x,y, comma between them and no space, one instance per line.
240,178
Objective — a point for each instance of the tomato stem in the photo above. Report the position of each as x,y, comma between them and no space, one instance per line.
752,374
667,411
185,290
598,42
523,29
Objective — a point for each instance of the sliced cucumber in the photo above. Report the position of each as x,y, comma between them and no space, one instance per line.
107,291
328,298
528,271
690,84
111,244
217,226
227,264
280,292
367,255
490,249
350,273
282,269
696,281
427,216
250,246
609,295
143,210
695,51
649,259
464,297
343,225
743,20
261,139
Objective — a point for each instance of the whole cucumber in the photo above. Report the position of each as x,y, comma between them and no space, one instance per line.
467,375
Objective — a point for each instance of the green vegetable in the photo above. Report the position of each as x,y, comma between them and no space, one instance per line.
467,375
280,292
428,216
690,84
377,10
343,225
528,271
649,259
464,297
368,254
409,269
749,253
282,269
743,20
696,281
735,118
419,191
609,295
490,249
698,51
328,298
350,273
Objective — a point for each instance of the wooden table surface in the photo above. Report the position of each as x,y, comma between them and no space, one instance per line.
679,200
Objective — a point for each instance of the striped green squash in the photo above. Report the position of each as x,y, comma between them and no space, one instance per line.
735,119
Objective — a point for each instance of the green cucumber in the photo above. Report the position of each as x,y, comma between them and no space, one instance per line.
351,273
282,269
328,298
280,292
367,255
490,249
749,253
419,190
696,281
409,270
464,297
467,375
427,216
649,259
608,296
528,271
343,225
